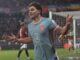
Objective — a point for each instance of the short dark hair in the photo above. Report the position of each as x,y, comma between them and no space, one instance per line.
37,6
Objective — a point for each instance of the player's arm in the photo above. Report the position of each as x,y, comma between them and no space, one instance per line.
24,38
27,40
13,38
63,30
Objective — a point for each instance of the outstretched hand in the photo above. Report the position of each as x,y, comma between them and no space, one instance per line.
69,19
61,37
11,38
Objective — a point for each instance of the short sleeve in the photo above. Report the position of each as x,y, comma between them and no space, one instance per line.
52,24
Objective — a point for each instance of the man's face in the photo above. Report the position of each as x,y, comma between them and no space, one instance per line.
33,12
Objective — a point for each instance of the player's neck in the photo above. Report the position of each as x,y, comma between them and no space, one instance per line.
37,20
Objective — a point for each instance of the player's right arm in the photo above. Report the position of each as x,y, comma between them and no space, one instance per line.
13,38
24,40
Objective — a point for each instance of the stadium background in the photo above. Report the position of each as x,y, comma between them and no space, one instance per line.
11,11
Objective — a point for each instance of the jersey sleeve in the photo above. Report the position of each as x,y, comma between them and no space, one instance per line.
52,24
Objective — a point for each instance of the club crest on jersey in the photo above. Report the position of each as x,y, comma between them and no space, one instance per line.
42,27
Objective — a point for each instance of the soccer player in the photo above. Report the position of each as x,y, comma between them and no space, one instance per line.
38,31
22,34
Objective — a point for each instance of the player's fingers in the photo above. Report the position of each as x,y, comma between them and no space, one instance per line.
61,37
12,34
67,15
9,38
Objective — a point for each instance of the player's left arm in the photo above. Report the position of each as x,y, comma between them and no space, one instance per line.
63,30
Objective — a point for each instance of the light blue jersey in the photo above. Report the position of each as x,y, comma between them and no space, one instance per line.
40,36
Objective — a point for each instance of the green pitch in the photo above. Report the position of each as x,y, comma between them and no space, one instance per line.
63,54
12,55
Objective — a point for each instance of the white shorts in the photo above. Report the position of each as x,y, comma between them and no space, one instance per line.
23,46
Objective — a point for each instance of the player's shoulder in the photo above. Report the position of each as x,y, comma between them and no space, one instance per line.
47,20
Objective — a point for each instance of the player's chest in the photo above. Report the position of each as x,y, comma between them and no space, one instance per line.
40,28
